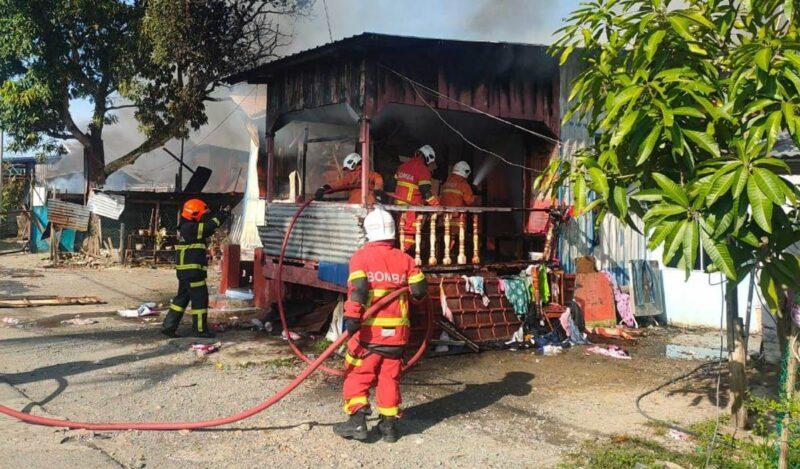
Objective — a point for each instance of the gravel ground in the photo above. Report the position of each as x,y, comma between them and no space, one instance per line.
493,409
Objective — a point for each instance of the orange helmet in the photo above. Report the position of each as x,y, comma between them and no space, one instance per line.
194,209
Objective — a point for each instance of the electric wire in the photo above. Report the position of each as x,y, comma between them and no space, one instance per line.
468,141
472,108
328,19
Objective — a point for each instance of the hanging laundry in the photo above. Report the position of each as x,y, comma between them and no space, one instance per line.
517,294
446,312
544,284
575,335
623,302
475,284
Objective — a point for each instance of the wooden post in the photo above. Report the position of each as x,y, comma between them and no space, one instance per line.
476,243
122,243
418,240
403,231
462,249
448,217
432,257
737,357
366,163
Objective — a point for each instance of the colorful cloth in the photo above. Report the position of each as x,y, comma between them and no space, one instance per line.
623,302
517,294
475,284
544,285
575,335
612,351
446,312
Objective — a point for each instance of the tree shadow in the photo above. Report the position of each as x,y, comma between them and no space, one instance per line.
472,398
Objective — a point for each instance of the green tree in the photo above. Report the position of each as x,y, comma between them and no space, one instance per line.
686,101
165,57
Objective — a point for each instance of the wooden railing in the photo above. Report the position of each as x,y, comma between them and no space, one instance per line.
453,225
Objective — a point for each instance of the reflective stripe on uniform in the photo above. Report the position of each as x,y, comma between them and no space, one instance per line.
190,266
201,283
191,246
452,191
411,188
353,360
386,322
416,278
200,227
177,308
198,311
357,275
424,182
389,411
215,220
355,401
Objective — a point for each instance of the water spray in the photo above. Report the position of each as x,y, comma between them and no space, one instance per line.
486,167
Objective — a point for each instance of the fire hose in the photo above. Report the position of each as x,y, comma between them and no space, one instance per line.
275,398
282,312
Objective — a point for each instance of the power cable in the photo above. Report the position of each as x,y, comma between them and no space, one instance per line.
468,141
555,141
328,19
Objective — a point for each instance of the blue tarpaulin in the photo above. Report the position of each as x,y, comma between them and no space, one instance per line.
333,273
41,242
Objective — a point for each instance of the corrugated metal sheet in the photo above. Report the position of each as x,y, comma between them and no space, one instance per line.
68,215
614,244
106,205
324,232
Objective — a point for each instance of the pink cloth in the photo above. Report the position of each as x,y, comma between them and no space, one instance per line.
623,303
446,312
564,320
612,351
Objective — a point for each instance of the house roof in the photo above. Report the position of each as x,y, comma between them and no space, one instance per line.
361,43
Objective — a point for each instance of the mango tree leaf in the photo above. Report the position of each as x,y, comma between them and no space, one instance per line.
773,125
761,206
704,141
647,146
648,195
652,43
621,201
681,26
675,241
599,181
625,126
565,55
671,190
690,243
740,181
579,189
688,111
763,58
720,184
660,233
769,290
720,256
770,185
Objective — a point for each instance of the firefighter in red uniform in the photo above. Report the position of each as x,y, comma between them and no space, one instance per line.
414,188
352,178
456,191
375,348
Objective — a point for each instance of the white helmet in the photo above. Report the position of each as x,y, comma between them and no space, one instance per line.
462,169
379,225
427,152
351,161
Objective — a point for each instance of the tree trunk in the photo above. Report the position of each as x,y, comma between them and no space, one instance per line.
787,330
94,162
737,357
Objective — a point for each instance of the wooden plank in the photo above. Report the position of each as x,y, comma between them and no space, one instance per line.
28,302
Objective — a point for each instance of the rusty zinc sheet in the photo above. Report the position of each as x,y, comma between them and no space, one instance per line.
68,215
329,232
106,205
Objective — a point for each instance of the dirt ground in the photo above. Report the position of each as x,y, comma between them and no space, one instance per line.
498,408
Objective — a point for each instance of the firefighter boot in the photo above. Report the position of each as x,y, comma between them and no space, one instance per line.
200,327
388,429
355,427
171,324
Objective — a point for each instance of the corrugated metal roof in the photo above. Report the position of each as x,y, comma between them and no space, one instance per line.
358,43
68,215
325,231
106,205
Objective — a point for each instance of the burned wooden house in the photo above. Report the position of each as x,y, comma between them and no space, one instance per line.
493,105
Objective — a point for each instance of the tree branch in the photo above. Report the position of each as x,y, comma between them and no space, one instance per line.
72,127
147,146
124,106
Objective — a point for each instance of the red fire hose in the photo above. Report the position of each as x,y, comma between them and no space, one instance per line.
171,426
282,313
275,398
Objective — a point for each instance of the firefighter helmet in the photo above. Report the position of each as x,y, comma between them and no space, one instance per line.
194,209
462,169
427,152
379,225
351,161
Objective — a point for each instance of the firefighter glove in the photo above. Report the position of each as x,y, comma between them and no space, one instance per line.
352,325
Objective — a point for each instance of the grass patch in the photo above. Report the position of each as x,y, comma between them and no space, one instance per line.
319,345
